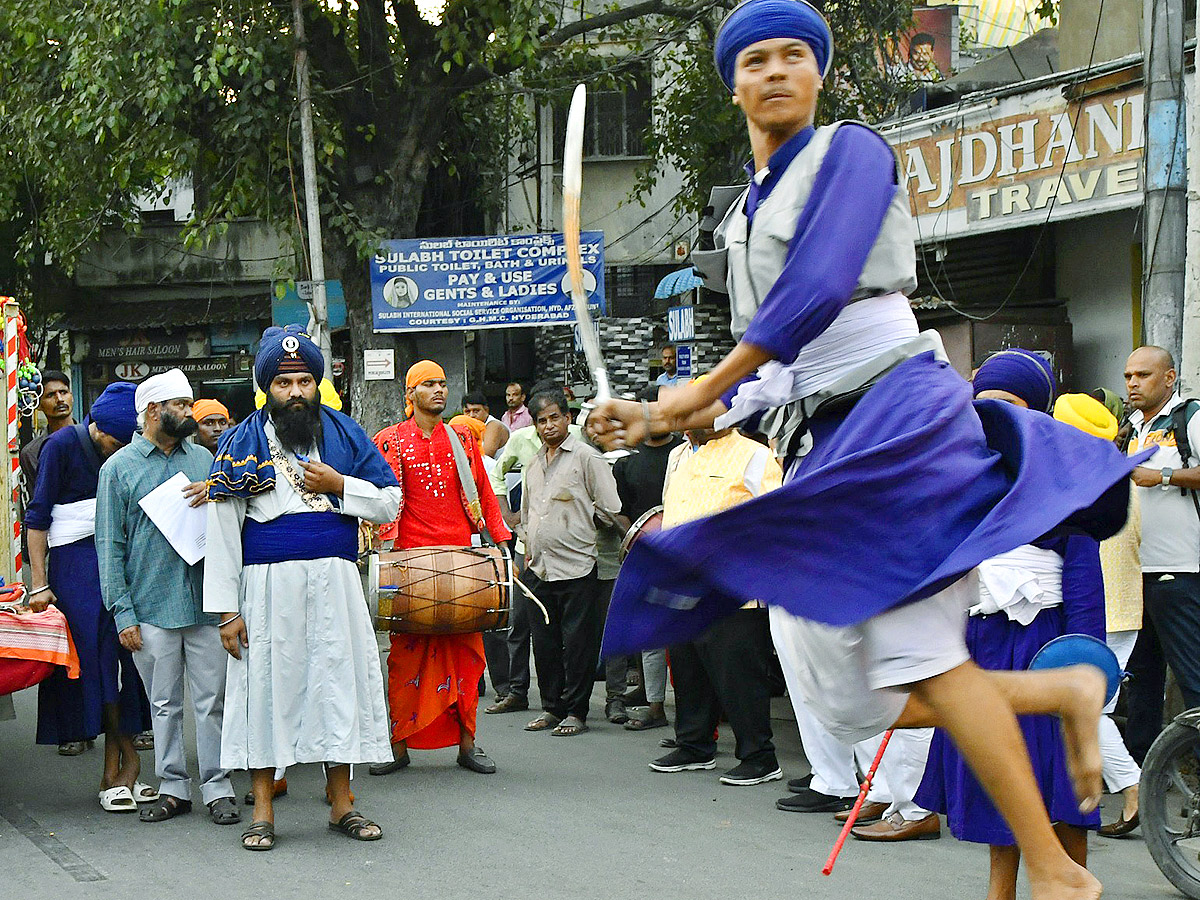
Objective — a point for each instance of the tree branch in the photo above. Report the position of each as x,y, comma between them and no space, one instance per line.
628,13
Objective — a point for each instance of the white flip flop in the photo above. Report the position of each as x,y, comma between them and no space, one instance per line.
117,799
144,793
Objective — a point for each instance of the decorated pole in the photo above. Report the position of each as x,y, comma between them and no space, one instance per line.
13,489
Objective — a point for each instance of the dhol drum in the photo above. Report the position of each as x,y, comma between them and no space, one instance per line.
648,523
442,590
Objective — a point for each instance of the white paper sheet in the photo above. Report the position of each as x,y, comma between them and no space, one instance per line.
182,525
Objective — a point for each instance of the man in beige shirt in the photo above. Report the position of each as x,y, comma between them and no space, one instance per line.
568,489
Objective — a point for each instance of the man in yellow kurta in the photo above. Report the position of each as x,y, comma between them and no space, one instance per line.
727,667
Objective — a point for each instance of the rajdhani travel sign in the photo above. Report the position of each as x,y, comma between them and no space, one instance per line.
439,284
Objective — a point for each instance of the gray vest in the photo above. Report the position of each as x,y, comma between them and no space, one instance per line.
750,271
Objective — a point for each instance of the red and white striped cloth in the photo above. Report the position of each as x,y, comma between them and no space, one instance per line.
41,637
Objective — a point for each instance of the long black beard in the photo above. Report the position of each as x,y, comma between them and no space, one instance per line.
297,423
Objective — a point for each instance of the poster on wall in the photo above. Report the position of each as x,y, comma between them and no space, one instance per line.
441,284
928,51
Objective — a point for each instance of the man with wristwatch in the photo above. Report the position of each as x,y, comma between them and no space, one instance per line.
1170,545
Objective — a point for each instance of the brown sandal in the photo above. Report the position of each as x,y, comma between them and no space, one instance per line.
353,824
544,722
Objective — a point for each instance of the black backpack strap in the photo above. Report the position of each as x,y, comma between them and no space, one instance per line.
1179,423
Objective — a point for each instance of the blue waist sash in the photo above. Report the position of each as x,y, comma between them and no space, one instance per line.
314,535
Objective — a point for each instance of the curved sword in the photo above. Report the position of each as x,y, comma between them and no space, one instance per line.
572,191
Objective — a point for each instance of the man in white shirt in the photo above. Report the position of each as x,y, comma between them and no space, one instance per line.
1170,547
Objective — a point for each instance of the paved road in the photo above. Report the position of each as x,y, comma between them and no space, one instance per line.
564,817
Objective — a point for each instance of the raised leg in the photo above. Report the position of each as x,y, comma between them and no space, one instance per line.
974,707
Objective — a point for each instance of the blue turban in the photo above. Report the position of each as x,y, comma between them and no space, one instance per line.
1020,372
286,349
114,412
764,20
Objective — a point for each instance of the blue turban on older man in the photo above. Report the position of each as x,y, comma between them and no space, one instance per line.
1023,373
764,20
286,349
114,412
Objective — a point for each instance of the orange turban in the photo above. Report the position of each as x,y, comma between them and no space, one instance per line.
202,409
421,371
476,427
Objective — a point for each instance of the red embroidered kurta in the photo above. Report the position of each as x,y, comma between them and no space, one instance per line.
433,680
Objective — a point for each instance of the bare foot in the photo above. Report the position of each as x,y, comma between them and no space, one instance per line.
1081,733
1076,883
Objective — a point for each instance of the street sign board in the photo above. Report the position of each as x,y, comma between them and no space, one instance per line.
444,284
681,324
683,359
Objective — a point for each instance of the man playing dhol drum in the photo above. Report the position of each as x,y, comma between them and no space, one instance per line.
433,680
290,484
896,487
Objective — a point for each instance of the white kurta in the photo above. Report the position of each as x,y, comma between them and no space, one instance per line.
309,687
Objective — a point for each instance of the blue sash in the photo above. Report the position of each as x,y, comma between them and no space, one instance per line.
314,535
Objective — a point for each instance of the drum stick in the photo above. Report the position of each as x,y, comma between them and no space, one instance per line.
528,593
862,795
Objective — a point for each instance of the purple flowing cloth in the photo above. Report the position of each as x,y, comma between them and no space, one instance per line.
916,487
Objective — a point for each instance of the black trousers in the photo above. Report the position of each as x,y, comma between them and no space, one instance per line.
1170,636
565,651
518,639
495,653
727,667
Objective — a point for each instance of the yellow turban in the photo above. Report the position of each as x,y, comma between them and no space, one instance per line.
202,409
476,427
1087,414
328,393
424,370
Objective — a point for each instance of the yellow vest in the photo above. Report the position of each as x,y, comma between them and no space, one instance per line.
712,478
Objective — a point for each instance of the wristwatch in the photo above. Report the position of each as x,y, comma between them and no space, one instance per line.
1166,477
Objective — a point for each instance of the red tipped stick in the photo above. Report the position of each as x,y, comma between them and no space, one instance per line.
853,817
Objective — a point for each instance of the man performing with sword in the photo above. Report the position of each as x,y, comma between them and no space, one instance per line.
887,461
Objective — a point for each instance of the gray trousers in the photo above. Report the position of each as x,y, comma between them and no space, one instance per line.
167,655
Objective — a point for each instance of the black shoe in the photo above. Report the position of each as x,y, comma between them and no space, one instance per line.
683,761
796,785
810,801
477,761
668,743
748,773
388,768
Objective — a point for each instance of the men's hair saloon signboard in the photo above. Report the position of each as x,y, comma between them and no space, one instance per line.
1013,161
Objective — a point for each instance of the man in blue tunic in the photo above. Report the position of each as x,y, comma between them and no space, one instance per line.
60,521
885,457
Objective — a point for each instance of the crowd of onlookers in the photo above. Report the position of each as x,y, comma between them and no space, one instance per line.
574,511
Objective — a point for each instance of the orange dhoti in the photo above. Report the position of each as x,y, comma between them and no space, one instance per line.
433,688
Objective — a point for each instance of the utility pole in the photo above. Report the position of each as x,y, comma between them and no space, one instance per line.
1164,210
1189,365
316,252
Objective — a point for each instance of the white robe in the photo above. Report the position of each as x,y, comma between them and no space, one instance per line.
309,687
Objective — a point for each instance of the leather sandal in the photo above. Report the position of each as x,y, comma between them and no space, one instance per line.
353,824
167,807
263,834
544,722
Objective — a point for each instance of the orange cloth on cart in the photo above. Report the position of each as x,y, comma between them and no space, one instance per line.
39,637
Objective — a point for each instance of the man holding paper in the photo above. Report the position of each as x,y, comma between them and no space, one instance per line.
288,487
155,596
60,521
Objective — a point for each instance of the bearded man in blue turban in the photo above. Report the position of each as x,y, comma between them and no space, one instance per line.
897,483
287,489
